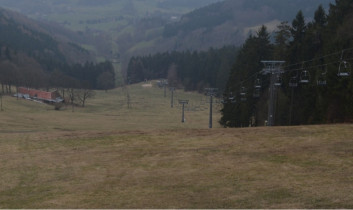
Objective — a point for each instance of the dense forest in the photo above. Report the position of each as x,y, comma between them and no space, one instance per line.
18,69
191,70
315,84
31,57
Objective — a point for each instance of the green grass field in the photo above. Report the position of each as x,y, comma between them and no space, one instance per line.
109,156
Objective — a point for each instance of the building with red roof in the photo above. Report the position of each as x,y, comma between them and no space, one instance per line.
53,97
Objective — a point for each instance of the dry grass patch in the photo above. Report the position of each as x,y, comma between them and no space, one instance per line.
297,167
108,156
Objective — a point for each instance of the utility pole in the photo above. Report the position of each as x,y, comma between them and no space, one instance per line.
293,83
172,89
73,99
128,99
291,107
1,101
165,83
211,92
183,102
274,69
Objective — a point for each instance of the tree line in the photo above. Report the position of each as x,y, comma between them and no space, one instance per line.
18,69
314,50
191,70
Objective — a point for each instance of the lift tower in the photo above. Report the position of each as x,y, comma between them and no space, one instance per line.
172,89
211,92
274,69
183,102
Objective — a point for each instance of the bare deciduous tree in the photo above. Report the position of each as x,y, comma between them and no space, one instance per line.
83,94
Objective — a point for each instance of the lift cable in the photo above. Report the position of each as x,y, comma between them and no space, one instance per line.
286,69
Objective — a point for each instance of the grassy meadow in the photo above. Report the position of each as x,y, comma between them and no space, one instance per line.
107,155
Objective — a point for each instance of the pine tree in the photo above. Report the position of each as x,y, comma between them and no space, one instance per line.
248,63
282,40
298,27
320,17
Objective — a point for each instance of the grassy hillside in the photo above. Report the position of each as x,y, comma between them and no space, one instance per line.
108,156
109,111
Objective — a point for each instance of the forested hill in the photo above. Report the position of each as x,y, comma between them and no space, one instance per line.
243,13
315,84
222,23
106,26
20,34
191,70
30,56
230,21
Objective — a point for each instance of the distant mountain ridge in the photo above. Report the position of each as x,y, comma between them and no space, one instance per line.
118,30
20,34
31,56
230,21
108,28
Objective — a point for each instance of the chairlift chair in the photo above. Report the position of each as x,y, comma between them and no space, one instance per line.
257,84
243,91
344,70
243,94
304,77
278,81
321,81
229,99
232,100
293,82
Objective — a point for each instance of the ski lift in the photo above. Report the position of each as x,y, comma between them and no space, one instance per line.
257,88
293,82
232,100
257,84
243,94
278,81
344,70
304,77
321,81
243,91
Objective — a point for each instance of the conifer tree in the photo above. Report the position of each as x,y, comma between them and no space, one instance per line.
248,63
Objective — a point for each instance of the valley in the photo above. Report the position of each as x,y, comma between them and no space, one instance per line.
122,138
